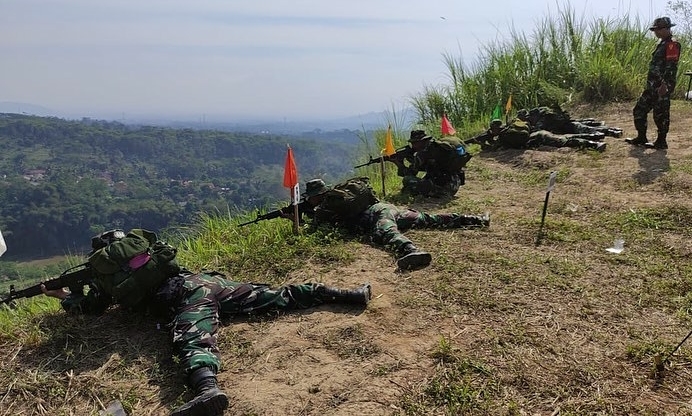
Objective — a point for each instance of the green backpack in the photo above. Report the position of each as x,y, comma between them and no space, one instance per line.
449,154
346,200
131,266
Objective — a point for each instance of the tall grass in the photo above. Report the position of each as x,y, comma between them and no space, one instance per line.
565,60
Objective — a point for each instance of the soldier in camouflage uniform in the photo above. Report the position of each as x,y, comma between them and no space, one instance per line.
518,135
660,84
385,222
442,160
558,121
195,304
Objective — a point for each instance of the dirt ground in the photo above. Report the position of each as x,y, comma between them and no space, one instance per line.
559,328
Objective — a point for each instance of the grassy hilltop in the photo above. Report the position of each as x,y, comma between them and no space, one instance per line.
495,325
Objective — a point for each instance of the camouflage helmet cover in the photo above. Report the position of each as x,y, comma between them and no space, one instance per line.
661,23
315,187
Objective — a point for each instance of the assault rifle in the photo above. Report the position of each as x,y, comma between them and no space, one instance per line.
74,278
288,210
400,154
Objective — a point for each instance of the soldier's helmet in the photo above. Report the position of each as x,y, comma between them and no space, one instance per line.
495,123
418,135
661,23
315,187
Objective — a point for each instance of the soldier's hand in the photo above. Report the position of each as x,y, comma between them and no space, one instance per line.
56,293
662,89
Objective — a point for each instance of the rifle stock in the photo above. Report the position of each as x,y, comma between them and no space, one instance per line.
70,278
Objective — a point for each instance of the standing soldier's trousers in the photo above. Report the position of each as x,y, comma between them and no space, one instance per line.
205,298
650,100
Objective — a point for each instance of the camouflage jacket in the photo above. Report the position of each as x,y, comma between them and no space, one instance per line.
664,64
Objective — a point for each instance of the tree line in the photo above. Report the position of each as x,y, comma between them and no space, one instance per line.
63,181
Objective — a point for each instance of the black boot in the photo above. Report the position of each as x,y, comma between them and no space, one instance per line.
641,139
660,143
597,146
470,221
209,400
412,258
358,296
613,132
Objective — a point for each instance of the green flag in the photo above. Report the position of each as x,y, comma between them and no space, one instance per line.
497,113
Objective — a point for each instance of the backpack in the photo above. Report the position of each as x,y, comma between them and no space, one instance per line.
129,267
346,200
515,135
448,154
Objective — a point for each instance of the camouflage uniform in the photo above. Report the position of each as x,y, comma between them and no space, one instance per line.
518,135
207,297
385,222
443,162
555,120
663,69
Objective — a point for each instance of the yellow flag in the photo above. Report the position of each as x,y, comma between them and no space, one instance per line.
388,143
508,106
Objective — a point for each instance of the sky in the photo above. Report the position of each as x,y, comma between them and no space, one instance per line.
269,59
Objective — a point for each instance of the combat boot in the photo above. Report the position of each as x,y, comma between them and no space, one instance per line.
660,143
209,400
412,258
641,139
358,296
613,132
470,221
597,146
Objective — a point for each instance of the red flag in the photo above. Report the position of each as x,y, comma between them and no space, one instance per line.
290,170
447,129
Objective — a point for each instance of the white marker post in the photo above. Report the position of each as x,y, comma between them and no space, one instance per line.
551,186
3,246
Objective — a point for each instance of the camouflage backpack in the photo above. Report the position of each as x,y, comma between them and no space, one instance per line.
346,200
131,266
515,135
448,154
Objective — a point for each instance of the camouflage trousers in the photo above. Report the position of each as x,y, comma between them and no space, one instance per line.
546,138
433,184
649,100
386,222
206,298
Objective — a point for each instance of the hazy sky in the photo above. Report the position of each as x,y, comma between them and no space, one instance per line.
270,58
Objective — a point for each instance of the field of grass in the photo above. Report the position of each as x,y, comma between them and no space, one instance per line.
495,325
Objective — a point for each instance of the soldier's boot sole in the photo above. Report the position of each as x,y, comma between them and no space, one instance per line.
210,403
414,260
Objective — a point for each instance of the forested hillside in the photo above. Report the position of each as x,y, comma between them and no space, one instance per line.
62,181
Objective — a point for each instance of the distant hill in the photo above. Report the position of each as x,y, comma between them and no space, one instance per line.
269,125
61,181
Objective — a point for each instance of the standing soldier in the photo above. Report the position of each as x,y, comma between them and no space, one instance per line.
660,84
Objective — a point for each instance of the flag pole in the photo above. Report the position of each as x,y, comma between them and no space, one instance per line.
291,182
551,185
384,193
